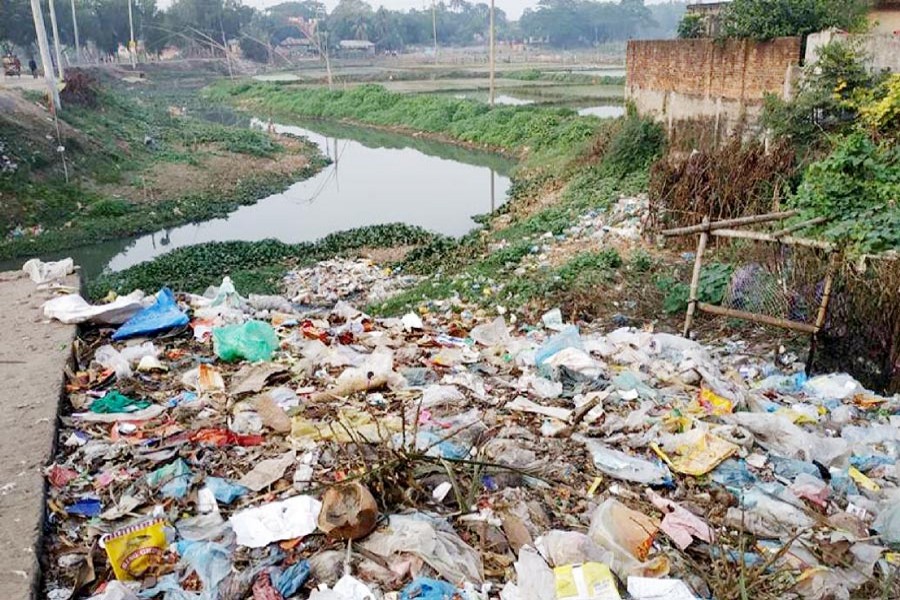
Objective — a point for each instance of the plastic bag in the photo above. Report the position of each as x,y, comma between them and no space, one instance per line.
133,550
276,521
432,540
161,315
534,578
491,334
835,386
568,337
616,463
72,308
569,548
629,535
423,588
43,272
253,341
116,402
211,562
225,491
289,580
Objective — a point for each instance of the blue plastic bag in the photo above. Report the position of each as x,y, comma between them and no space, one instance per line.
225,491
161,315
85,507
423,588
288,581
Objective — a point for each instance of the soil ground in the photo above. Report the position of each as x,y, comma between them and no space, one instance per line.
33,356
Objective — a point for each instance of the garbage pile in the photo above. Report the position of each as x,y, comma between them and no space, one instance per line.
222,447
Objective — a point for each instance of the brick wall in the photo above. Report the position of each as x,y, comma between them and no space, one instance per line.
723,81
731,69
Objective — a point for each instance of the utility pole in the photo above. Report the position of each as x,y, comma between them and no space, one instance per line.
132,46
491,94
59,67
434,26
75,27
41,31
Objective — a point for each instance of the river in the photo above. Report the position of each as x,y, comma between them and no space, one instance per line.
374,178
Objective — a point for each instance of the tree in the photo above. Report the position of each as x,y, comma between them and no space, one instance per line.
16,24
767,19
691,26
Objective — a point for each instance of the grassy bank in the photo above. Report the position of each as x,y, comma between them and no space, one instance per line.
133,166
522,131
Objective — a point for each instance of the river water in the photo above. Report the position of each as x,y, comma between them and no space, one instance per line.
375,178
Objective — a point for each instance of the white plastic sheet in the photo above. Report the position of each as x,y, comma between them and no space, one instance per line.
276,521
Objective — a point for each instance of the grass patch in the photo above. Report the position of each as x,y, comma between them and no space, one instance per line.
256,267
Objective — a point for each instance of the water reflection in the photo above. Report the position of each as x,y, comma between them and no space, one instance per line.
374,178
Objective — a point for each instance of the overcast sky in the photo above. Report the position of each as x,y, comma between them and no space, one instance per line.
513,8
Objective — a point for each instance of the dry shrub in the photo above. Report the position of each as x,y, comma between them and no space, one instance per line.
80,88
737,180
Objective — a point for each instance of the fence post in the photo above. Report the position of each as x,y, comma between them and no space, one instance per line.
695,279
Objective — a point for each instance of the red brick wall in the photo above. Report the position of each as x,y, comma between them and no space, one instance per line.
729,69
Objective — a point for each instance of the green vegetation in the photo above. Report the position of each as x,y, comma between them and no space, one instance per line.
564,77
714,279
255,267
847,118
767,19
691,26
514,129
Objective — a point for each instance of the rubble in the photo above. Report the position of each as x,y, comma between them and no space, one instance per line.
449,453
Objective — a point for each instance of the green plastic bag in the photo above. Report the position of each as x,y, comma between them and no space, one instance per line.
116,402
254,341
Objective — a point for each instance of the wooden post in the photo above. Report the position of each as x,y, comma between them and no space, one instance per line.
695,278
823,310
491,92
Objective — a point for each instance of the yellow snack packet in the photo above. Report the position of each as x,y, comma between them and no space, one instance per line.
132,550
588,581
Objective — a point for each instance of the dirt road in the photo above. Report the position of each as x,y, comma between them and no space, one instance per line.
32,357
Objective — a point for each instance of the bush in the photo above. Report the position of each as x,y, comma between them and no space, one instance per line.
767,19
691,26
637,144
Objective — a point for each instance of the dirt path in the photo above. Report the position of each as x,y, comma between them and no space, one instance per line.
32,357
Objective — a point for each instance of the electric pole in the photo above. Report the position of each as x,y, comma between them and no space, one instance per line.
491,93
132,46
41,31
75,27
59,67
434,26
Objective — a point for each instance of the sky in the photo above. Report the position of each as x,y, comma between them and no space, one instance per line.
513,8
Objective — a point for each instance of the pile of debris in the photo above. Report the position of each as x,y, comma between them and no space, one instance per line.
221,447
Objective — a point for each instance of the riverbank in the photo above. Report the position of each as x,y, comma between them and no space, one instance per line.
132,165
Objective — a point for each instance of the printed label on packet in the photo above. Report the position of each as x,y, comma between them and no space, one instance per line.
135,549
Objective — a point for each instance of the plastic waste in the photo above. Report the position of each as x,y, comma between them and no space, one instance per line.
648,588
423,588
534,579
172,480
346,588
288,580
431,539
44,272
588,581
85,507
733,473
768,510
835,386
253,341
72,309
160,316
628,535
553,319
616,463
349,512
260,526
567,338
136,549
116,402
887,523
695,452
211,562
679,523
491,334
570,547
121,362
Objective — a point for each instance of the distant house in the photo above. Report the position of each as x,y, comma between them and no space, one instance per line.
350,47
709,13
296,46
885,17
